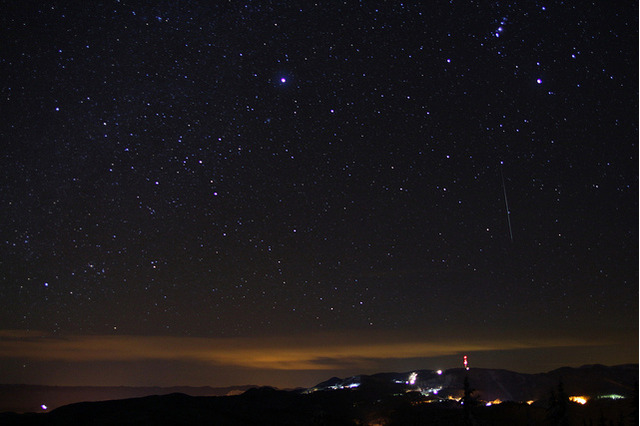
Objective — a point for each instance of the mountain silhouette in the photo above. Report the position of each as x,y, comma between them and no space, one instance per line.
417,397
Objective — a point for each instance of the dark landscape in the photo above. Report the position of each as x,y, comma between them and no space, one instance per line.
589,395
27,398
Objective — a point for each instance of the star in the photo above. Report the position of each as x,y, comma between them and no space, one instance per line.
336,141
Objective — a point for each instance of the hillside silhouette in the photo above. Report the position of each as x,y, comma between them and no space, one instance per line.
383,399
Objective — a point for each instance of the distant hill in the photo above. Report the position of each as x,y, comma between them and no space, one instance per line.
495,384
29,398
419,397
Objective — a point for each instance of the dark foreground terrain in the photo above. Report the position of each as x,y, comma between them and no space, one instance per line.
267,406
382,399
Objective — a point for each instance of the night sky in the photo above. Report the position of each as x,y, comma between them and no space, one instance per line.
217,193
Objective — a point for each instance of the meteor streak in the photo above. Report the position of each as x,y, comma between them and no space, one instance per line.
506,203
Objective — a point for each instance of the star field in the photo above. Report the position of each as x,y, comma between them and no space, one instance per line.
263,168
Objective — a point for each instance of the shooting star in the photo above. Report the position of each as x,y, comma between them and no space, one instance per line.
506,202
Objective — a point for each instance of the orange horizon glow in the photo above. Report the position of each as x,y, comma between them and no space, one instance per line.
325,351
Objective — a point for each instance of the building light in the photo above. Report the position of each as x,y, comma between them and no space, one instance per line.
611,396
579,399
412,378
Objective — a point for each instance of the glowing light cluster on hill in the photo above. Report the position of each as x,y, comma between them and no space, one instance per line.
579,399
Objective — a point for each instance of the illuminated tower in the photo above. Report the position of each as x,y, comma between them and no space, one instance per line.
465,362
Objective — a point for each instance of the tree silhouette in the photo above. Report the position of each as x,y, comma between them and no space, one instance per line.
468,401
558,407
633,415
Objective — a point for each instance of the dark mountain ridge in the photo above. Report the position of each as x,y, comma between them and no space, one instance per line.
29,398
418,397
496,384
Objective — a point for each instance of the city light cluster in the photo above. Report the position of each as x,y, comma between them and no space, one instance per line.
579,399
